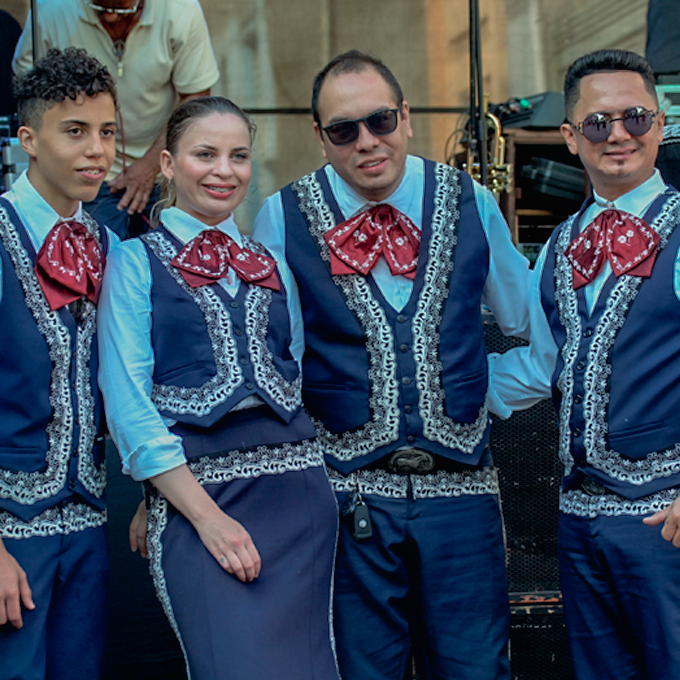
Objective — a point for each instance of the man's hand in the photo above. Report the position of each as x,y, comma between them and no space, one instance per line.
14,590
138,183
670,516
138,531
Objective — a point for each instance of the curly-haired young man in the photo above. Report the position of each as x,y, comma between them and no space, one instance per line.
53,548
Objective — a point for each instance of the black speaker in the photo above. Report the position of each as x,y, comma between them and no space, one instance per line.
524,448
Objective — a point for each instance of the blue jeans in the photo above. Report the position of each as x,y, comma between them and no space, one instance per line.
104,209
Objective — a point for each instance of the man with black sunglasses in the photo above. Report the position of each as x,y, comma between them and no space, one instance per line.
605,322
393,257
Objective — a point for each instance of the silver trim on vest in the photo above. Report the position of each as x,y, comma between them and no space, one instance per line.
71,518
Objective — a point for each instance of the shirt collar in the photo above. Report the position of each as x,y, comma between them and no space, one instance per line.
184,227
407,197
36,213
635,201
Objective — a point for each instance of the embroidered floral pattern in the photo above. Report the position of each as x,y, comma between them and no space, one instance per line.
27,488
656,464
71,518
437,426
583,505
286,394
442,484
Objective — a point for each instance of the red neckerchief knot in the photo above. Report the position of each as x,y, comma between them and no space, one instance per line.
70,264
207,258
357,244
628,242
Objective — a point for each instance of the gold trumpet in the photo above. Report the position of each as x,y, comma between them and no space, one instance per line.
499,173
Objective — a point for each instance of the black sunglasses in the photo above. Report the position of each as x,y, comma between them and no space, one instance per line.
598,126
346,132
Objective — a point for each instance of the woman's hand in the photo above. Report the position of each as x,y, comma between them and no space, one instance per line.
230,544
138,531
224,538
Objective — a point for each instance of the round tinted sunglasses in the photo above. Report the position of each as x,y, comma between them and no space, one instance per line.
346,132
598,126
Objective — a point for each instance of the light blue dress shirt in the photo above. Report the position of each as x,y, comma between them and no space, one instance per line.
37,216
521,377
506,286
145,443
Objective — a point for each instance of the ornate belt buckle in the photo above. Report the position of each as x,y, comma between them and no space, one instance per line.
593,488
412,462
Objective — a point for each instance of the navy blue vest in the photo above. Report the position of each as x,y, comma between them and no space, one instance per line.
376,379
616,386
211,350
51,439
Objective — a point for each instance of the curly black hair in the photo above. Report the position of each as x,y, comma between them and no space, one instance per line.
57,76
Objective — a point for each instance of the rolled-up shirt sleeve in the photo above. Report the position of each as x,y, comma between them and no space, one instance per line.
145,444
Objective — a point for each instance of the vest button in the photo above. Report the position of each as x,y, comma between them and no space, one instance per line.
580,365
250,385
404,347
71,484
578,399
233,304
587,333
238,331
576,433
406,380
408,409
410,439
244,361
401,318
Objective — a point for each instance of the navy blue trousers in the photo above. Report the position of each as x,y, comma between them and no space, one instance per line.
621,589
430,581
278,626
63,637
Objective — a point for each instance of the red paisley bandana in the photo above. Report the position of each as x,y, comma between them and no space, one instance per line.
628,242
70,265
357,244
207,258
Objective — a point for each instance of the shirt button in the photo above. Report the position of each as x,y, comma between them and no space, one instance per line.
244,361
406,380
580,365
401,318
250,385
588,332
233,304
410,439
578,399
408,409
404,347
238,331
576,433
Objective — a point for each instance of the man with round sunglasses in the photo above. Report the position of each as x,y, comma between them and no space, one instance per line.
160,55
605,319
393,257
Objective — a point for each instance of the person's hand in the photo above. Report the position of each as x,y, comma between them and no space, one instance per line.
138,531
231,545
670,516
14,590
138,181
